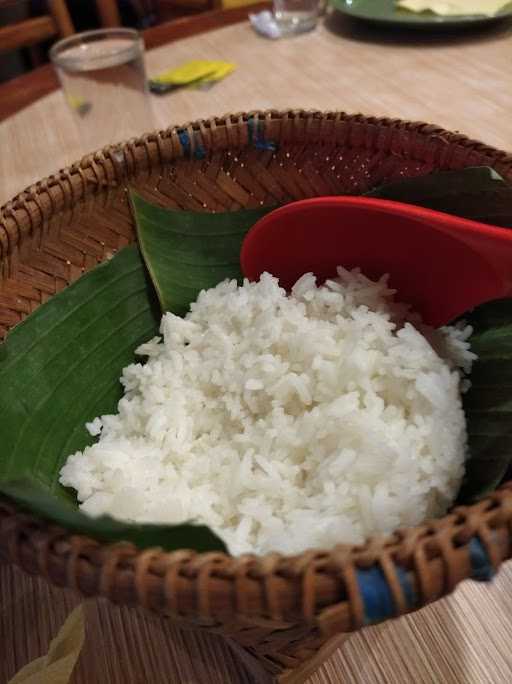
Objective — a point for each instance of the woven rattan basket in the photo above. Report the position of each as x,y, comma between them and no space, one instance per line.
279,610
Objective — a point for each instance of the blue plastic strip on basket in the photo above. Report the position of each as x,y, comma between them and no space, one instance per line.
411,598
481,566
377,596
199,152
257,136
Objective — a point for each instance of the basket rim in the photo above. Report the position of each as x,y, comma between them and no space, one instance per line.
326,590
87,169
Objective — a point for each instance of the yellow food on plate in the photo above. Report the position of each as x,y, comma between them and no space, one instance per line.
447,8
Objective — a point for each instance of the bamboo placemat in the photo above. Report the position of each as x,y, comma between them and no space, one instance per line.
464,639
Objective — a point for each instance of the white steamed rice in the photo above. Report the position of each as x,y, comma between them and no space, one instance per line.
284,422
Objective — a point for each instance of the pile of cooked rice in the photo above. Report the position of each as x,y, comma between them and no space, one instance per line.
284,422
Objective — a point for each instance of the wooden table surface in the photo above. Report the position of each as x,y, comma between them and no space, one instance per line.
459,81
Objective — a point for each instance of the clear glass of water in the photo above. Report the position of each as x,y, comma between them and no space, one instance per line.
296,16
104,82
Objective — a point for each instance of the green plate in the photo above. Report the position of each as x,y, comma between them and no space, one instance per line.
386,12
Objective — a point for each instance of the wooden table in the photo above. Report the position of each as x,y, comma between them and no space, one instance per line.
460,81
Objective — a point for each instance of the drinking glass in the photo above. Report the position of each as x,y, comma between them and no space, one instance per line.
104,82
296,16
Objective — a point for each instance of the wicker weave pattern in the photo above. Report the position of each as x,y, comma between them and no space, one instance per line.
280,609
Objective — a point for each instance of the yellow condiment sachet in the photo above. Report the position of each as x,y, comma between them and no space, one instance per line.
195,71
57,665
446,8
222,70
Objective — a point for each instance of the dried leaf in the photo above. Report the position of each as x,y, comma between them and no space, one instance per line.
57,665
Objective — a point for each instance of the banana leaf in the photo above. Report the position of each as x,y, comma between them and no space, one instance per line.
60,368
478,193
